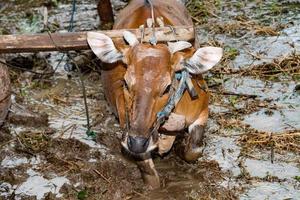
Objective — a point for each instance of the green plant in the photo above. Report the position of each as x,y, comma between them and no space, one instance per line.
82,195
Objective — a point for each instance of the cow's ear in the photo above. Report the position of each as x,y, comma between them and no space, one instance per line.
203,60
103,47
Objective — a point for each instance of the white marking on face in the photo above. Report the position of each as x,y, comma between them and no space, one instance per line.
129,77
147,90
124,143
148,53
195,123
151,145
149,76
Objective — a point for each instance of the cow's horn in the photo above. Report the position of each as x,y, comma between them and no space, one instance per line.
178,46
130,38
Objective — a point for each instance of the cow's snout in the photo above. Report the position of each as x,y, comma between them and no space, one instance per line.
137,144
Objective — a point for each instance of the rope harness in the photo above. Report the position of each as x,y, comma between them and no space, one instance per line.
185,83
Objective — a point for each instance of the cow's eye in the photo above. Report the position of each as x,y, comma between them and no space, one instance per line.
167,90
125,85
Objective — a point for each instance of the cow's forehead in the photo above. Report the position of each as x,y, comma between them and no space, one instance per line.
142,51
153,53
149,64
151,59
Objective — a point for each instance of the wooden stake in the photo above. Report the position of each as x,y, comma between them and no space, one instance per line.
105,13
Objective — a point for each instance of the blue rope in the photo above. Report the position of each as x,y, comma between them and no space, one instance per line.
70,29
71,23
178,76
183,76
89,133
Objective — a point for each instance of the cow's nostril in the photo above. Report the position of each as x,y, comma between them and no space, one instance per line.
137,144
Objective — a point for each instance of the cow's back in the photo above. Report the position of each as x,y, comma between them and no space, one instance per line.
137,12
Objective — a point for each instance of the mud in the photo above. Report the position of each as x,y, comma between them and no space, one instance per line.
252,141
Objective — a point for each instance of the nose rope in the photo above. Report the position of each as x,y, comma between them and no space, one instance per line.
173,100
127,117
185,82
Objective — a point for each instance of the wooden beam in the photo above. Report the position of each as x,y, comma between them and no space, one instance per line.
77,41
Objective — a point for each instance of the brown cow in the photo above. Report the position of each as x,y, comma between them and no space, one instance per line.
138,79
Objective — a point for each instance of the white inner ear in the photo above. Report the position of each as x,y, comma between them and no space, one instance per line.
103,47
130,38
178,46
204,59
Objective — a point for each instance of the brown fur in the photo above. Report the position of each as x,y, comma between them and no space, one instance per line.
143,108
137,90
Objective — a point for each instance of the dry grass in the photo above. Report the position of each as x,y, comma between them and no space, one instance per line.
32,142
210,15
201,10
288,65
280,142
241,27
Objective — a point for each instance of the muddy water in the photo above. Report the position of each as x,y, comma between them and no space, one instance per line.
60,161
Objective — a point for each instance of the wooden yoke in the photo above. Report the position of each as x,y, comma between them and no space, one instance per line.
78,41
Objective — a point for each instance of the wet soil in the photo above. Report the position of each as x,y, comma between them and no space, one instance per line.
252,141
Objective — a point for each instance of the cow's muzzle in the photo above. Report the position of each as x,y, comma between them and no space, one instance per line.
138,146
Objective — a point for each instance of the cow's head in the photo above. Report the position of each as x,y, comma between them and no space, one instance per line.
150,70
